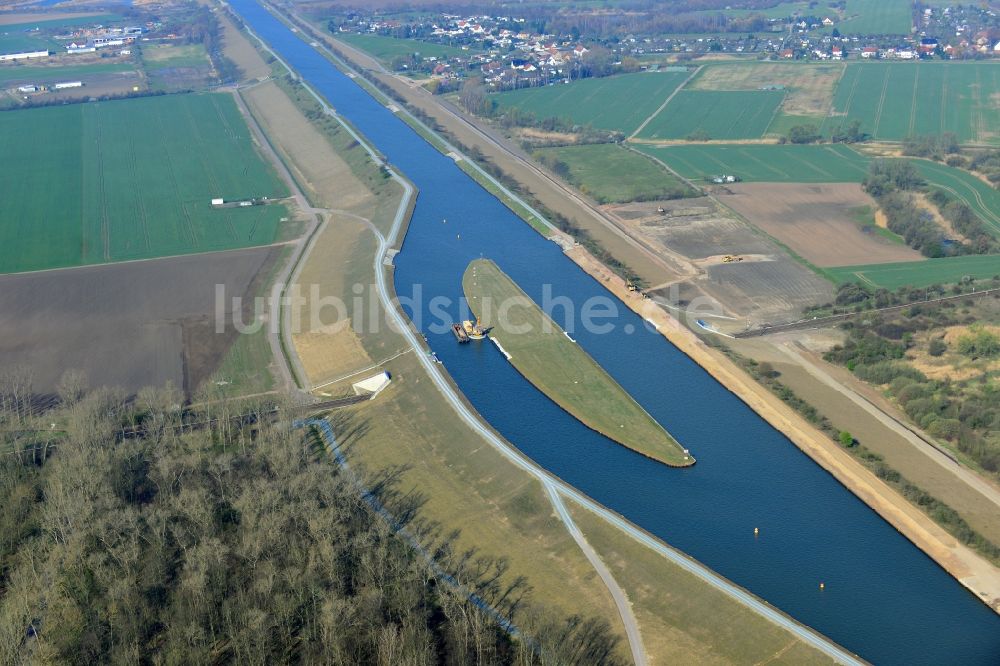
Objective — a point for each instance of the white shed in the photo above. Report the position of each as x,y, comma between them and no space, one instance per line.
373,385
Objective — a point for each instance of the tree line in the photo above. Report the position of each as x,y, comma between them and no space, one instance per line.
891,182
238,542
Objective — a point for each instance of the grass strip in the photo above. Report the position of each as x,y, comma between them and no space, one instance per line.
555,364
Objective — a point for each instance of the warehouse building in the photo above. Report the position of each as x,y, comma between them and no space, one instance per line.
27,55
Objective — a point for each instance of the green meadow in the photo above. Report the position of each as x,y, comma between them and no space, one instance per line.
130,179
386,48
721,115
764,162
920,273
610,173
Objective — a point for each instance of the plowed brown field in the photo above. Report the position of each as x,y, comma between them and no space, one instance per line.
816,221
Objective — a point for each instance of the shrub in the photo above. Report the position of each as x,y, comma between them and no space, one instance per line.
885,372
978,343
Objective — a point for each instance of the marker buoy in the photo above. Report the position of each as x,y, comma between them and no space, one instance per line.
822,586
756,531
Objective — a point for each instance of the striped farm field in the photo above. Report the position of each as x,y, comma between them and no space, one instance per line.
619,103
920,273
764,163
386,48
130,179
979,196
877,17
723,115
896,100
44,74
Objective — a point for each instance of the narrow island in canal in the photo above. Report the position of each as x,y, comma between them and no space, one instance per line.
556,365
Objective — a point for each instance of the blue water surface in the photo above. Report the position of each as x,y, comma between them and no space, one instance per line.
883,598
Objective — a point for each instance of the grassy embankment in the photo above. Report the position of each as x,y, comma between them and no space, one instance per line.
671,605
562,370
941,513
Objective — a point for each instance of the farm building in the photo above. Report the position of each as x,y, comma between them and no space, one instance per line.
68,84
27,89
27,55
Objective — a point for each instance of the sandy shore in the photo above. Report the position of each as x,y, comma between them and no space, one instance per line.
967,566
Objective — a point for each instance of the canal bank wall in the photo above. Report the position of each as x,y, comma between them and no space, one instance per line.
970,569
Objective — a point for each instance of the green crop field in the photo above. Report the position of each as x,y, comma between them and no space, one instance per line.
560,368
130,179
41,74
781,10
19,42
896,100
920,273
764,163
728,115
386,48
979,196
613,103
877,17
611,173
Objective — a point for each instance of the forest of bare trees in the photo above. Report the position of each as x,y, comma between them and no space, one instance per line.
126,539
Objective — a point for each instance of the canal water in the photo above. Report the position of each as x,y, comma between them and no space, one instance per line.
882,597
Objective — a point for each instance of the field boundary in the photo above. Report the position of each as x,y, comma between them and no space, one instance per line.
665,102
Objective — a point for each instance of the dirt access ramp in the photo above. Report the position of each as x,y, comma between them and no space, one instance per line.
127,325
818,222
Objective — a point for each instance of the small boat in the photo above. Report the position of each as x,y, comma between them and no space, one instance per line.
460,333
473,330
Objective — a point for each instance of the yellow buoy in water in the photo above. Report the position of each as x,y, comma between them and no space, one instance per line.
756,531
822,586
